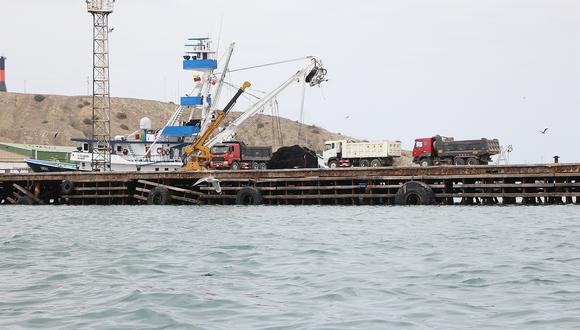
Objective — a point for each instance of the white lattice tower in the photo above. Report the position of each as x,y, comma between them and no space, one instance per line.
101,134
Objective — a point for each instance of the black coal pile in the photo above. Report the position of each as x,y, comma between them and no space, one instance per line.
293,157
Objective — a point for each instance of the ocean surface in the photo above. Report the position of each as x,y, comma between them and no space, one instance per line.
289,267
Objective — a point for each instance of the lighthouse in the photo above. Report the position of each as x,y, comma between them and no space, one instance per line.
2,74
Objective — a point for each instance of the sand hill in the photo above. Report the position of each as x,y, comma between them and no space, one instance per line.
53,120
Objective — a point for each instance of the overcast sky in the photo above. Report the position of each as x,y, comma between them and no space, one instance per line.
398,69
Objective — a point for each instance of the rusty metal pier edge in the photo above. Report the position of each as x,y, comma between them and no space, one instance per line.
443,185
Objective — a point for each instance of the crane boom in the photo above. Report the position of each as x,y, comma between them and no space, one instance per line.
313,73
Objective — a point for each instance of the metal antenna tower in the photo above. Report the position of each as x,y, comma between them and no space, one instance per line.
100,9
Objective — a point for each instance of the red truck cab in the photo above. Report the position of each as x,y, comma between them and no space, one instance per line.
423,148
224,155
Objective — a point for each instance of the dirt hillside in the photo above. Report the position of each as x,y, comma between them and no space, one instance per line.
53,120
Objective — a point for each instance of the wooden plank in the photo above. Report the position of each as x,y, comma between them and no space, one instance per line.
11,200
185,199
539,194
329,196
139,197
142,189
170,187
100,188
96,196
27,193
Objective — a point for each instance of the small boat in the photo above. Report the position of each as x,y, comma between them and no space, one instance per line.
49,166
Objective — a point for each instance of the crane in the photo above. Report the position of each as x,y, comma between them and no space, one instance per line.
313,73
198,153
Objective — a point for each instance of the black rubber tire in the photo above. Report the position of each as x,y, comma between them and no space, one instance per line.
67,187
472,161
458,161
235,166
333,164
159,196
364,163
425,162
263,166
376,163
415,193
249,196
24,200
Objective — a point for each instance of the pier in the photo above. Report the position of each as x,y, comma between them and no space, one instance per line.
442,185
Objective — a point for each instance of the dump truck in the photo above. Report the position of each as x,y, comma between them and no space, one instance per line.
360,154
440,150
236,155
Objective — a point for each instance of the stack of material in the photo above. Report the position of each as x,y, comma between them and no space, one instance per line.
293,157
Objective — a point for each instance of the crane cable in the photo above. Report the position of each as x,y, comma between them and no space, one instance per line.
270,64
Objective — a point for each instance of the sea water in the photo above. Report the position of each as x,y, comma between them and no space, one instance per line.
278,267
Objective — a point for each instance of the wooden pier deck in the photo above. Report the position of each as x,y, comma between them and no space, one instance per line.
486,185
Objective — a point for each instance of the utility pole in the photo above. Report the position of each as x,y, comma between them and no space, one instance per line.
101,134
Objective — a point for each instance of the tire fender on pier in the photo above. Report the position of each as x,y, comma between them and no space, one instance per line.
159,196
415,193
249,196
67,187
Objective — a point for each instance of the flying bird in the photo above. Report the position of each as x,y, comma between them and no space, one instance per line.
213,181
544,131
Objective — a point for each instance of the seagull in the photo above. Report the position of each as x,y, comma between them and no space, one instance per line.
111,30
544,131
347,117
214,182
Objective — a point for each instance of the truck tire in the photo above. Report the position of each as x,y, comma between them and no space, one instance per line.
364,163
159,196
415,193
472,161
263,166
458,161
249,196
376,163
424,162
333,164
67,187
235,166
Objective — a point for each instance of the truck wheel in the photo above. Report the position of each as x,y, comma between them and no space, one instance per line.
364,163
333,164
376,163
459,161
67,187
159,196
472,161
255,166
235,166
424,162
249,196
263,166
415,193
